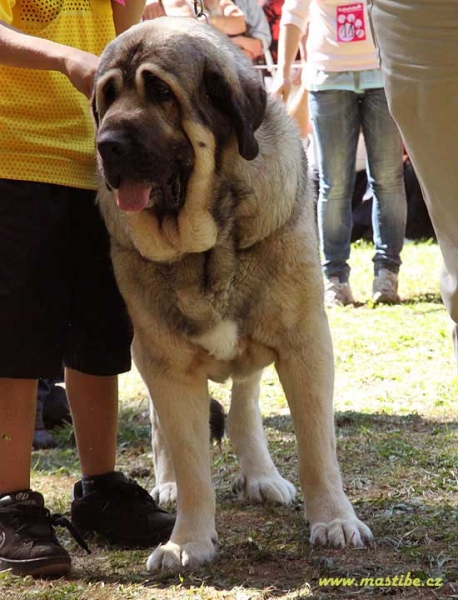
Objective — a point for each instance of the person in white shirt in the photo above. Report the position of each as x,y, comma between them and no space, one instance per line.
346,96
244,20
224,15
257,38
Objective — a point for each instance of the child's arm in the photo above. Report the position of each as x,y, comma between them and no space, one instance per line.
17,49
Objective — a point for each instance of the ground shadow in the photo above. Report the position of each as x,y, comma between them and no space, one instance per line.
376,421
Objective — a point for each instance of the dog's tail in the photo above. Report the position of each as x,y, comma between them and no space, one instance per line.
217,421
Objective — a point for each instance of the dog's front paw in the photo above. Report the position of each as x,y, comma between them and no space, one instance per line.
173,557
165,494
341,533
266,488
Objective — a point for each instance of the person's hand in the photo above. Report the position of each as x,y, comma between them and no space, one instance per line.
153,9
81,67
252,47
281,87
298,110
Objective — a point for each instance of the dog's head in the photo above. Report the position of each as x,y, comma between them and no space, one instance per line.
167,92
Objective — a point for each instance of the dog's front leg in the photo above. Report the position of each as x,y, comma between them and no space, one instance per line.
183,410
306,373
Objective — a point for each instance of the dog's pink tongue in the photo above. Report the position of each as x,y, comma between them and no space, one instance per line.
133,196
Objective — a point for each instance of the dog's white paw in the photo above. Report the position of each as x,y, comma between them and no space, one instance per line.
172,557
165,494
267,488
341,533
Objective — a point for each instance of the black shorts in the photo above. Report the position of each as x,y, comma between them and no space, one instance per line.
59,303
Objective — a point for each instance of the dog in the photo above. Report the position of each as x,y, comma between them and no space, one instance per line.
210,211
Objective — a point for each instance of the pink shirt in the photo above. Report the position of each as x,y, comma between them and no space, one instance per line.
339,37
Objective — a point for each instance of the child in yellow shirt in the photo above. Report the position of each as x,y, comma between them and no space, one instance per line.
58,298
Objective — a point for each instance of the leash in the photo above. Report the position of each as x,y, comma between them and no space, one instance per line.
199,11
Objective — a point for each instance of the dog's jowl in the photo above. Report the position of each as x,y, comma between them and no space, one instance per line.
206,198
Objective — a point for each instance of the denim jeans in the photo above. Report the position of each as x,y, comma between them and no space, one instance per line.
338,117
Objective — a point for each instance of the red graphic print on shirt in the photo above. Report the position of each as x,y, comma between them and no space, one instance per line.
351,26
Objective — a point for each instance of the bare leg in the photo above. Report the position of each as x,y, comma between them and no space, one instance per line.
17,422
259,480
94,404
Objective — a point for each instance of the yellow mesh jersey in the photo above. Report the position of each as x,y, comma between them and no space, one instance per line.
46,128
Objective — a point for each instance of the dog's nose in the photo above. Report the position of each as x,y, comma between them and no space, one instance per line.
113,144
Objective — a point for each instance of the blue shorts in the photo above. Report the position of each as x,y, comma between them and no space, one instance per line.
59,302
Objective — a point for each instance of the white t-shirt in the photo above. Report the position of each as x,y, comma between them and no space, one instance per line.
339,35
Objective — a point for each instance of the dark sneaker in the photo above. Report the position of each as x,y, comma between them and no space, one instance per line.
28,544
123,513
43,440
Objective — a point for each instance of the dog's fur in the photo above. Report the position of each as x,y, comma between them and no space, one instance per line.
220,271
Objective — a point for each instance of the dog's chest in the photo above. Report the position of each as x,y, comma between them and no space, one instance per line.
201,288
236,358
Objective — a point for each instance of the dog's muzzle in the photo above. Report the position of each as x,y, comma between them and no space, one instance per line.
143,178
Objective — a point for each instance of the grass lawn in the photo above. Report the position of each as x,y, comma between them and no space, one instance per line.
397,431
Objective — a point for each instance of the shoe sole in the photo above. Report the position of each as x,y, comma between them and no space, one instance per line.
37,567
386,300
132,543
162,536
339,303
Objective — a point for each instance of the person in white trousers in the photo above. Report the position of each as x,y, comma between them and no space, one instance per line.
417,41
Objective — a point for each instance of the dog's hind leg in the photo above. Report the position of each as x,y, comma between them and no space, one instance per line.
165,490
305,368
259,480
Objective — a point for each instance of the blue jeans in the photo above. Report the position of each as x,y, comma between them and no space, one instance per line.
338,117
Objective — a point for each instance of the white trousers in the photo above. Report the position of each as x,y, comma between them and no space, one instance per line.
417,42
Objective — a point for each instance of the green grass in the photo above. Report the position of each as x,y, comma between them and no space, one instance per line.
397,430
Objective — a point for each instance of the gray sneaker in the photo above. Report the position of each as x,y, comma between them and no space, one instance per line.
337,293
385,288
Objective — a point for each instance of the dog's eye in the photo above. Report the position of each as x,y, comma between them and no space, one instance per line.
109,92
155,89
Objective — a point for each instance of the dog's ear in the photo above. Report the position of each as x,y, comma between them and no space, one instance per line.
246,108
